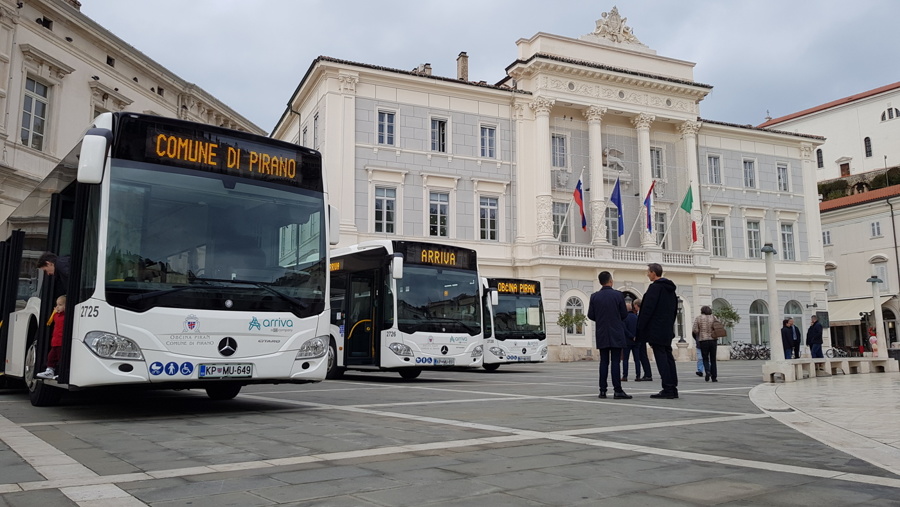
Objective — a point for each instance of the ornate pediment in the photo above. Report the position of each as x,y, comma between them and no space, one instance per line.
612,27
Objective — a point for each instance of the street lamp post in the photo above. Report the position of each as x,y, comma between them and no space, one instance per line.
879,320
775,344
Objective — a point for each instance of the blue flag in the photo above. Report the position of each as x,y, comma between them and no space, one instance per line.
616,199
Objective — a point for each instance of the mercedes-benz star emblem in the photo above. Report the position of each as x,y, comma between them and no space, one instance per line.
444,350
227,346
524,351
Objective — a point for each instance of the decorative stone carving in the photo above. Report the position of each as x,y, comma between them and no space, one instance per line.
612,158
598,222
544,215
806,150
612,26
348,83
542,105
643,121
689,128
594,113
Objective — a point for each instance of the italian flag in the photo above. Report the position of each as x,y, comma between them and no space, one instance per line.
688,205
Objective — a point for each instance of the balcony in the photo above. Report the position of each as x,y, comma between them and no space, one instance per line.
623,255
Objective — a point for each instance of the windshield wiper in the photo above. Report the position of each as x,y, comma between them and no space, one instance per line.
265,287
134,298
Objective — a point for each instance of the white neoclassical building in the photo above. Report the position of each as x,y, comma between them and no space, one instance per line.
412,155
58,70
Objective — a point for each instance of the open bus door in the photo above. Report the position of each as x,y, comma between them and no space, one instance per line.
360,324
10,262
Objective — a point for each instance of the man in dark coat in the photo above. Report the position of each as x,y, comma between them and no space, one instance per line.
788,334
607,310
814,338
656,326
57,267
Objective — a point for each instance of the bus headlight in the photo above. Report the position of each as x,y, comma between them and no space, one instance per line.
400,349
316,347
543,351
497,351
478,351
113,346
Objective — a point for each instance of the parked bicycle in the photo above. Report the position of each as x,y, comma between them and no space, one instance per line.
743,350
836,352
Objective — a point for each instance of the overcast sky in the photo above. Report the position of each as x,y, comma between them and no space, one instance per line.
779,56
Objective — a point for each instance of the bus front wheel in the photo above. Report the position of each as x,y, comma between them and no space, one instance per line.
40,394
490,366
221,392
334,371
410,373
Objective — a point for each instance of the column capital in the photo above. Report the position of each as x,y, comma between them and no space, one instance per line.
806,151
689,128
542,105
643,120
594,113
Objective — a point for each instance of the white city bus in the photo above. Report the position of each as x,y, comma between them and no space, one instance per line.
404,306
191,256
518,334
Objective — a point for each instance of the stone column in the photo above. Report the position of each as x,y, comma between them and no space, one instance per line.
642,123
544,196
811,204
689,131
594,115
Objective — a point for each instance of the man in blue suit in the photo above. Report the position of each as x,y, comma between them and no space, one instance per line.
607,310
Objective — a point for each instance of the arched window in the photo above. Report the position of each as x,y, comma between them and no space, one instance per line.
793,310
867,142
820,161
890,114
717,305
574,306
759,322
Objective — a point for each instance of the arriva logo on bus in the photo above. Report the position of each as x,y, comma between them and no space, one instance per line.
270,324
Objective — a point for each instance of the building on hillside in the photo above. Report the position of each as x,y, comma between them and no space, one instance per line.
860,132
58,70
493,167
859,233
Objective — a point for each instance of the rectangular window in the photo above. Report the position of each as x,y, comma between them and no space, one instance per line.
787,242
439,135
659,225
385,209
826,237
754,240
560,224
612,226
718,237
488,210
714,168
749,174
386,128
438,214
783,181
488,142
34,114
656,163
876,229
559,155
316,131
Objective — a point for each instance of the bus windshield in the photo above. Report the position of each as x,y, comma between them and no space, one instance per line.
438,300
519,316
184,238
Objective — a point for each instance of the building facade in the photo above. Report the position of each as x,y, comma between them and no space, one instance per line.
494,167
58,70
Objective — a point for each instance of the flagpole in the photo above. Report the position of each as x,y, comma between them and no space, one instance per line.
633,225
568,206
669,226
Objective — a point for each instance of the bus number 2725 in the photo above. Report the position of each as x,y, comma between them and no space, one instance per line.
90,311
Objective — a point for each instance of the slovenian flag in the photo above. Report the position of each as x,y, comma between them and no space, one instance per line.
578,195
648,203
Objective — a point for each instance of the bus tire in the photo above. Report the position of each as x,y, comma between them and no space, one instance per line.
410,373
490,366
223,391
334,371
40,394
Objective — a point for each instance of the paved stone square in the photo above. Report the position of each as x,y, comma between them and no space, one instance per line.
523,435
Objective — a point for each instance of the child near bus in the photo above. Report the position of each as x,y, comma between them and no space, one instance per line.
58,318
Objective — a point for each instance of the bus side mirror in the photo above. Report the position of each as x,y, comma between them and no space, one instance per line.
334,225
92,157
495,298
397,266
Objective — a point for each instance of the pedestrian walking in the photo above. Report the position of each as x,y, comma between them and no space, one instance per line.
637,349
706,342
814,338
607,310
656,326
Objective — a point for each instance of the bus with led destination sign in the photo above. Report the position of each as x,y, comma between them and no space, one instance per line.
518,333
404,306
191,256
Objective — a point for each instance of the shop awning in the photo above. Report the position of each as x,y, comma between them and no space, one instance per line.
846,312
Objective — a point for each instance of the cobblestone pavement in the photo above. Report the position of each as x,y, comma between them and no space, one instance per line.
525,435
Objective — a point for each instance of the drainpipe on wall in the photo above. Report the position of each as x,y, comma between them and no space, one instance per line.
894,232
